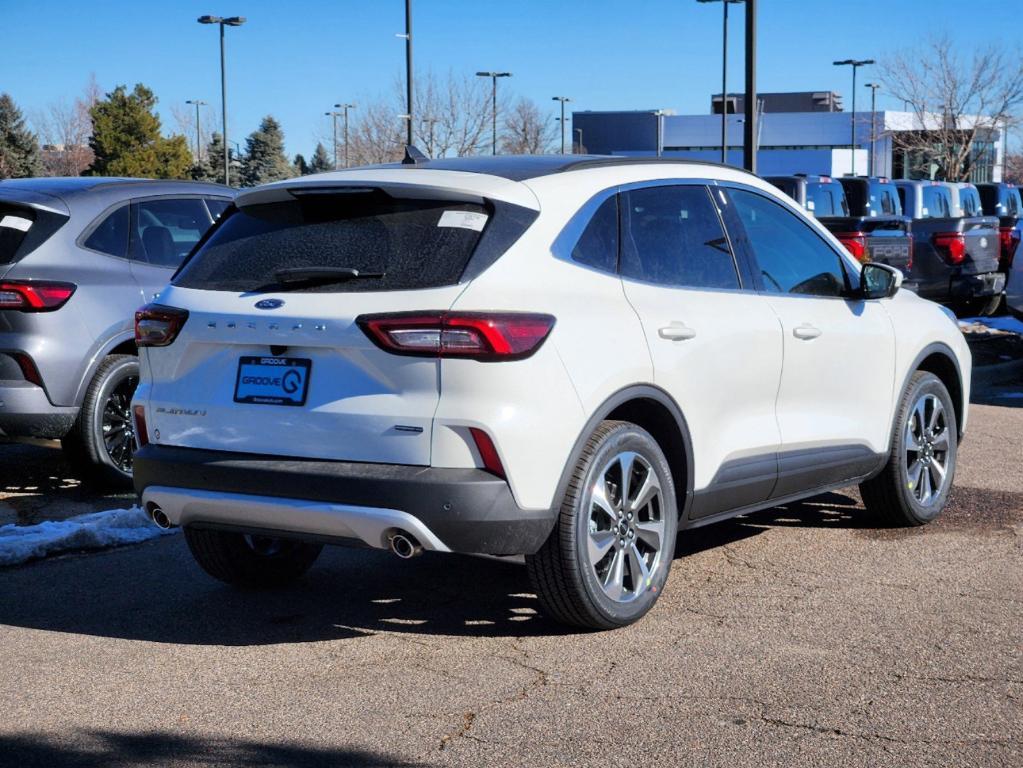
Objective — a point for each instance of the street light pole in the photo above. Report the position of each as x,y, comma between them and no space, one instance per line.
344,108
493,78
198,128
724,75
659,114
334,116
873,124
580,132
229,21
408,69
855,64
562,99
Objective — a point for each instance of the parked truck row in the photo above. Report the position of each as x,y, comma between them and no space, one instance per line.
955,243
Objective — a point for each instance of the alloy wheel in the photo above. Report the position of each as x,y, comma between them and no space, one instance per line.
927,447
118,428
625,526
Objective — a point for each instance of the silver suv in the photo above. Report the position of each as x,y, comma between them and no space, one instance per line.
77,257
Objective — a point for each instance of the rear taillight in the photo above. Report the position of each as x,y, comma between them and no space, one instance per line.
952,245
1009,239
855,243
488,453
157,325
486,336
34,295
141,431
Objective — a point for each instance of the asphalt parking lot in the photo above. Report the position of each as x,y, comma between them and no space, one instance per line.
798,636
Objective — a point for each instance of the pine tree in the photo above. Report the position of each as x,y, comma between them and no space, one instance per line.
300,165
321,160
264,159
126,138
212,166
19,148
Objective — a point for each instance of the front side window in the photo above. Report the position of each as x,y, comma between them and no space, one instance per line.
166,230
111,235
791,257
598,245
672,235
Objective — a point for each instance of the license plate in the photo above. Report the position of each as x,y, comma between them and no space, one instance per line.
272,380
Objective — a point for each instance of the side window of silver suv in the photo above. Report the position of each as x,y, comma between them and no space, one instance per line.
110,236
165,230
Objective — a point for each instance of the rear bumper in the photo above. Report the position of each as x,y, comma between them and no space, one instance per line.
458,510
971,286
25,411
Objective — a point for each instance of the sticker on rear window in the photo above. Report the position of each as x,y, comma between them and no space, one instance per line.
463,220
16,222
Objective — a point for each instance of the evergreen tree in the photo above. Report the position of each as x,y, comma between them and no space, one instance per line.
212,166
300,165
126,138
19,148
264,159
321,160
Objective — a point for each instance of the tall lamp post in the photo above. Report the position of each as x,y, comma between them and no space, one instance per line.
344,110
855,64
562,99
580,132
873,124
333,117
198,128
408,72
724,75
493,98
228,21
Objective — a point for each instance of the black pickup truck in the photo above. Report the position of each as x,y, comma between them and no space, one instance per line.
1003,201
864,214
955,253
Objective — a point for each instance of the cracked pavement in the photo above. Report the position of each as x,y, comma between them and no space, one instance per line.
800,636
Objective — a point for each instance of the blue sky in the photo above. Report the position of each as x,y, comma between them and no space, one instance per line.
295,59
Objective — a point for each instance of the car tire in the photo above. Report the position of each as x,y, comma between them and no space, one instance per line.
249,561
914,485
609,555
102,439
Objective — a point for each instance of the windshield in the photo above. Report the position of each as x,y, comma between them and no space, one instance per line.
404,243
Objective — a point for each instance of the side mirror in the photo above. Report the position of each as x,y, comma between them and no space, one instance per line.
879,281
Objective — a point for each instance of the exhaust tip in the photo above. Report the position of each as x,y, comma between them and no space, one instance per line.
405,546
159,517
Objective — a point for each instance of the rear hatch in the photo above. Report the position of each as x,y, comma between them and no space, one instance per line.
271,360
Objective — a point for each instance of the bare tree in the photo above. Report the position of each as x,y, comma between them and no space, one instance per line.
65,129
1013,167
184,117
960,105
527,131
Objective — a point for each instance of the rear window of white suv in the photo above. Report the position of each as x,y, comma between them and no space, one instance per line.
375,242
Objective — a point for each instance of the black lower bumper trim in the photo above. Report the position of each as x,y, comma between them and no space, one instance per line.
470,510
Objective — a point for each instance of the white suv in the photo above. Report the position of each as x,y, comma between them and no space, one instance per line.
569,359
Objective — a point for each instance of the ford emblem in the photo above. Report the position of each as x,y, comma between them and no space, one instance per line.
270,304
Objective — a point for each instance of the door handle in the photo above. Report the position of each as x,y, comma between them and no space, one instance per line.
806,332
676,332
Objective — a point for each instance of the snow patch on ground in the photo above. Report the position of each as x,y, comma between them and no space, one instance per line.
1010,324
97,530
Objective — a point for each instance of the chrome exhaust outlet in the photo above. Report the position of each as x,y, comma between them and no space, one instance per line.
158,517
404,545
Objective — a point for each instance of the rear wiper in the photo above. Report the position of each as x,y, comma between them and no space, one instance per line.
323,275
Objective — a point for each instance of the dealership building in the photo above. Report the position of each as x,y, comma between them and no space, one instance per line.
797,133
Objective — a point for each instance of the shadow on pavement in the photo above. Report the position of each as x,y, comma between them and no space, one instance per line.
154,592
120,750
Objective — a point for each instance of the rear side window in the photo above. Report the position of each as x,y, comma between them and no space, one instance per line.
165,230
673,236
1013,203
889,202
791,257
969,202
404,243
111,235
15,222
598,244
217,206
937,202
